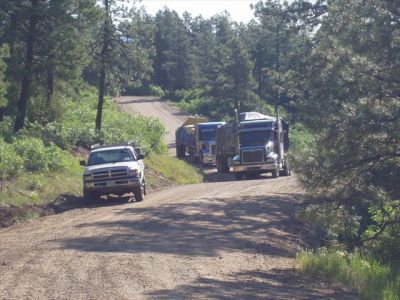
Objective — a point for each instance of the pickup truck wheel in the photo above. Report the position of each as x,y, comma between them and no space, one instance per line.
89,197
144,188
138,193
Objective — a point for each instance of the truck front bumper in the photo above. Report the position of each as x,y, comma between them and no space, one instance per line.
263,167
115,185
209,159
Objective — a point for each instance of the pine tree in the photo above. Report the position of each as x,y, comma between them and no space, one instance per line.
3,84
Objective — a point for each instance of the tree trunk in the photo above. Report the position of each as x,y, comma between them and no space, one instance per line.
50,86
104,59
27,75
101,97
2,113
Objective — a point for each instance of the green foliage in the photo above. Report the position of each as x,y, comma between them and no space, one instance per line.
77,129
350,104
27,154
4,52
35,183
383,235
176,170
155,90
33,153
148,90
332,225
11,164
370,278
301,140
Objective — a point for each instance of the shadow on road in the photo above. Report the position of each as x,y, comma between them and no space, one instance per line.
207,227
70,202
275,284
201,227
138,100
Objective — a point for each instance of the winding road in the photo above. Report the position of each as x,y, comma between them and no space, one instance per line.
216,240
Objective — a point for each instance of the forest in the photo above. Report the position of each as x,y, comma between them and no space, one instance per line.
332,67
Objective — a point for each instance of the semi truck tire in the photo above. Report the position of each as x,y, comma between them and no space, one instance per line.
238,176
218,163
275,173
225,165
286,169
180,151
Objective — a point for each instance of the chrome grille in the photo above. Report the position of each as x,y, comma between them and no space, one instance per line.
113,173
213,149
101,175
253,156
118,173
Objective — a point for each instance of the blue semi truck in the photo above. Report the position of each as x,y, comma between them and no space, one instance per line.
196,138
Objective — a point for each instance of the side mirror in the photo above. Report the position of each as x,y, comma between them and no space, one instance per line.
138,150
82,163
140,156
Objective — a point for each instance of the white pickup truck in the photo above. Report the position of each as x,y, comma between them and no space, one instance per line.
114,169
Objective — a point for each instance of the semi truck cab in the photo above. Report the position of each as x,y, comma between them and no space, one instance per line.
261,149
205,136
255,144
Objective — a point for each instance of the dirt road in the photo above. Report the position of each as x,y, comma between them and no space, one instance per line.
219,240
171,117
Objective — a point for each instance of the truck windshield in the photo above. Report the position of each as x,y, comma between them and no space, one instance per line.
256,137
110,156
207,135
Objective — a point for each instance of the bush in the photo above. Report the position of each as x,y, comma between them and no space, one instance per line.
147,90
77,127
370,278
10,163
33,152
6,129
30,155
155,90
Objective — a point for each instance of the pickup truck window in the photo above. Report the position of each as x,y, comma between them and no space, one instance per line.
110,156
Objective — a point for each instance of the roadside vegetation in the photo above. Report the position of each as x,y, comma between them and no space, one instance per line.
369,277
175,170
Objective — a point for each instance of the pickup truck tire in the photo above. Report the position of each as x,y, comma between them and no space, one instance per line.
89,197
138,193
144,188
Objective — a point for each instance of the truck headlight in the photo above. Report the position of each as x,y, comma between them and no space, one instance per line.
236,160
133,172
87,177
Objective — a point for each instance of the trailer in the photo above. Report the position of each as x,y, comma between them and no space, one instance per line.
196,137
252,145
